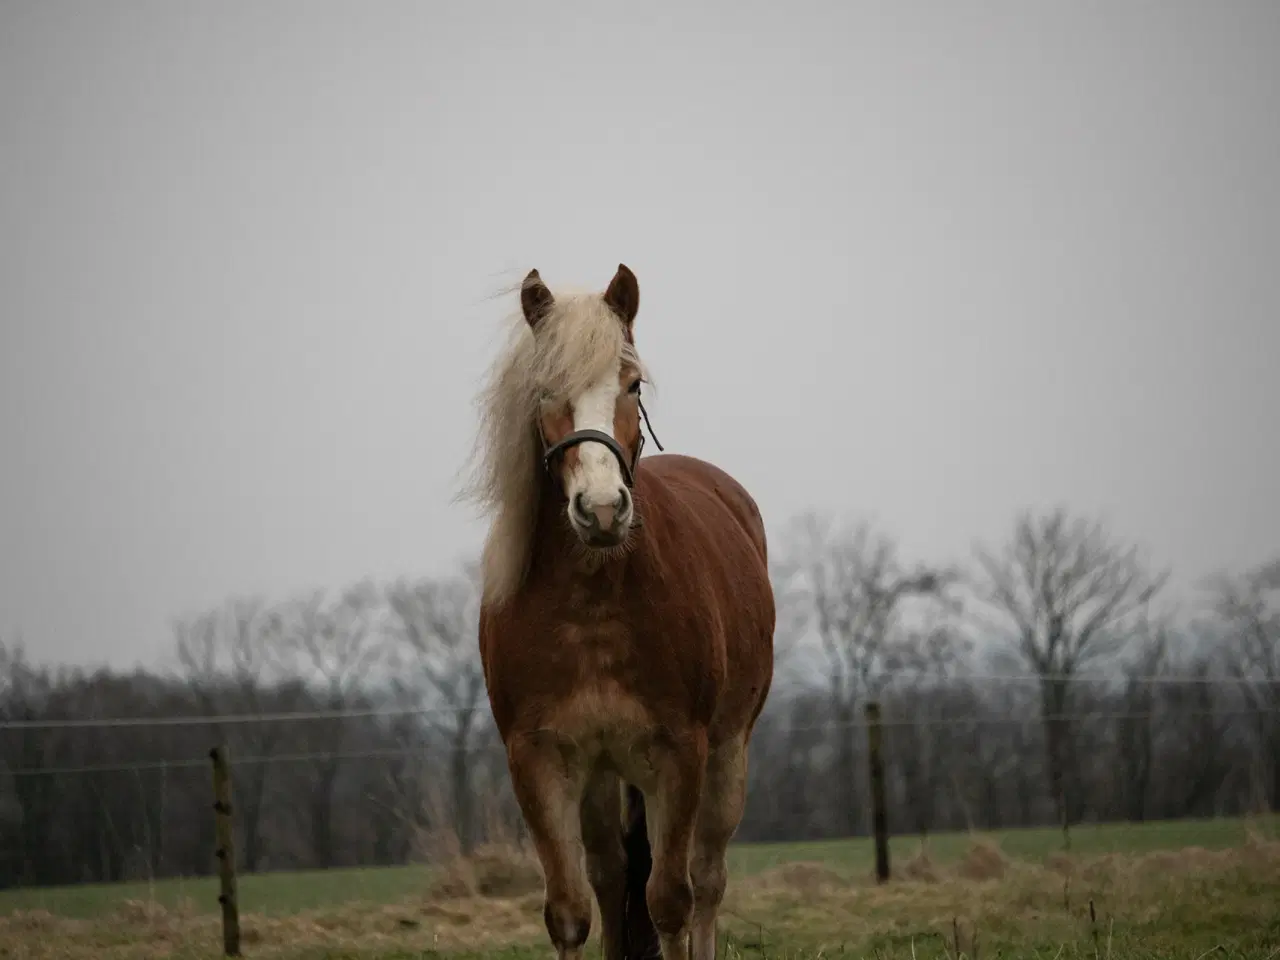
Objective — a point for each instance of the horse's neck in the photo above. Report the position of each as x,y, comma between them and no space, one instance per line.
553,540
550,533
557,554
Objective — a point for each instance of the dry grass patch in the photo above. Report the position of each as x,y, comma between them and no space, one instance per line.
498,870
802,877
490,900
983,861
29,922
1061,863
1215,896
1160,904
151,933
920,867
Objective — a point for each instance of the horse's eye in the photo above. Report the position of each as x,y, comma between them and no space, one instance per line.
635,387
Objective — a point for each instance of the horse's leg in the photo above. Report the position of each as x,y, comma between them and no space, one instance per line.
677,790
548,784
724,797
606,858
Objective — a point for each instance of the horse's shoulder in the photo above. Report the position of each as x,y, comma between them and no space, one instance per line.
691,473
685,477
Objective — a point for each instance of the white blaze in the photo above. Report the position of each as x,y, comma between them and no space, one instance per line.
598,476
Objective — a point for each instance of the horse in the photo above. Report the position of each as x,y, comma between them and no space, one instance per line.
625,631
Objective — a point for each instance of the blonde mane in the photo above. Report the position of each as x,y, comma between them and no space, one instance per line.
576,342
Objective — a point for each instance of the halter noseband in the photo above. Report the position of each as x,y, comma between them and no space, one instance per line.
599,436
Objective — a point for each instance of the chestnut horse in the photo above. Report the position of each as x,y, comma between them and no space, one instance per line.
626,632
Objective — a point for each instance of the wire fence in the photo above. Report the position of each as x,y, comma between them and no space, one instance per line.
89,798
951,722
883,678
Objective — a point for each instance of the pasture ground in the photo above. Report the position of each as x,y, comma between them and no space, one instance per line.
1186,889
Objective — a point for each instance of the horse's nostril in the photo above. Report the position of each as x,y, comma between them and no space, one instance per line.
580,508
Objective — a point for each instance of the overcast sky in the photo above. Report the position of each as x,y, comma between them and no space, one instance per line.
923,263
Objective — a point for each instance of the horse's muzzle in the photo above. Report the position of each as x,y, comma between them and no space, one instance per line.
602,525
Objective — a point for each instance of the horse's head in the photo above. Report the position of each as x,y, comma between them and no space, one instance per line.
589,401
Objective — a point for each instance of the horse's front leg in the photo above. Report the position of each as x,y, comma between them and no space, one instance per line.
724,798
606,858
678,768
547,777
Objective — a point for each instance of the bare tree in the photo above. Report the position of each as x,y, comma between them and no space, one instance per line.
436,621
228,656
849,588
1248,608
1136,739
400,792
335,646
936,649
1068,596
25,692
1199,754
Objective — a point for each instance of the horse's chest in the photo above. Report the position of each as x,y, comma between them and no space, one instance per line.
595,652
603,725
599,710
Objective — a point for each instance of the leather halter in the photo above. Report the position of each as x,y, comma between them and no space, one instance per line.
549,453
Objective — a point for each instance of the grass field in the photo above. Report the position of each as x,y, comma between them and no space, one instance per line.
1193,889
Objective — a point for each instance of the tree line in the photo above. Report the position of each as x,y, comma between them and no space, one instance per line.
1048,681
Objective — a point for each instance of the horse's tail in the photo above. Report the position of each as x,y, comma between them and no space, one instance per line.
640,933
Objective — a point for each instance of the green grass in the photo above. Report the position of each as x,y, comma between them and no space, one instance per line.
1026,844
269,893
292,892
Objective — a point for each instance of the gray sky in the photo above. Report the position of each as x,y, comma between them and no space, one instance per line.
927,263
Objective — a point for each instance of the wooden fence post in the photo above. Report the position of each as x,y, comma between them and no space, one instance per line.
225,851
879,812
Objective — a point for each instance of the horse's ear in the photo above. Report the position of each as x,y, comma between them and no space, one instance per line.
623,295
535,298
